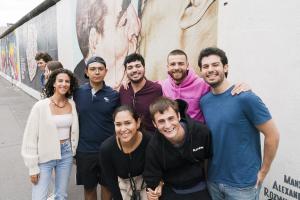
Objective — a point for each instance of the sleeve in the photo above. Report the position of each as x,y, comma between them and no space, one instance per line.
109,172
29,149
75,128
160,90
254,108
153,171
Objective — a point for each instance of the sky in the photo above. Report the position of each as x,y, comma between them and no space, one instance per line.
13,10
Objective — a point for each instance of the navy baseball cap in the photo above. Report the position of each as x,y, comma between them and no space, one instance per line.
94,59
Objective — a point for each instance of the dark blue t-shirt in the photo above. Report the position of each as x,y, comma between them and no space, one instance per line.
236,141
95,116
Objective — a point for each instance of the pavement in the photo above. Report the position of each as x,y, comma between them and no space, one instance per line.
15,106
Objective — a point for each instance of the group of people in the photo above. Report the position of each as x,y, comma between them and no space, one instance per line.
185,137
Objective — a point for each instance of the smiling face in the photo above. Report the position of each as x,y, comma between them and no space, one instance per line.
213,71
62,84
168,124
135,71
126,127
41,64
177,67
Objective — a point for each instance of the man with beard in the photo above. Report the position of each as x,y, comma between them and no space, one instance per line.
140,92
236,170
183,83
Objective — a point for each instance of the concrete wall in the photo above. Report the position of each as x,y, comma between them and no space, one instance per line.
262,40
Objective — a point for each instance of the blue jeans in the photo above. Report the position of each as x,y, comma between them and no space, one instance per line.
220,191
62,171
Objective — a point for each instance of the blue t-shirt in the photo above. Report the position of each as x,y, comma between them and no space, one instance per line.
236,141
95,116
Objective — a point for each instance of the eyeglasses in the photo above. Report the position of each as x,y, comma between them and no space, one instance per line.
96,69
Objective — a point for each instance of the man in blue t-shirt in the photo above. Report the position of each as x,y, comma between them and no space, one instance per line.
236,170
95,103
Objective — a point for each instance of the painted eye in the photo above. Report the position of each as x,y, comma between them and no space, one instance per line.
123,22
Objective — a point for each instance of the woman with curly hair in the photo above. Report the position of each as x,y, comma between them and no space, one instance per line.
51,136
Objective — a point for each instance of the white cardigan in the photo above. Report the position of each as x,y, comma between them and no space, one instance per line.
40,141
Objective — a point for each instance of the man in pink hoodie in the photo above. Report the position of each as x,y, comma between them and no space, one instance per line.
183,83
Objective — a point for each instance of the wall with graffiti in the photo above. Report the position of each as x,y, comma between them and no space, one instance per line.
18,49
262,51
38,34
73,31
9,63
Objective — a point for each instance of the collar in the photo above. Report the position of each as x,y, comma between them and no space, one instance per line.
87,86
145,86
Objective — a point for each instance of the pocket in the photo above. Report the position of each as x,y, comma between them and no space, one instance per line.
66,147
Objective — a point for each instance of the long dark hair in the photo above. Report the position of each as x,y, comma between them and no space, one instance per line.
49,89
128,108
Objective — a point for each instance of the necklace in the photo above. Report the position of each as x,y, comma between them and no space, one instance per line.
57,105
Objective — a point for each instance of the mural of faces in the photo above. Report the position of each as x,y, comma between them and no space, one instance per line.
107,28
31,50
176,24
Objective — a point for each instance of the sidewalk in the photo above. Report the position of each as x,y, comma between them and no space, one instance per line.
15,106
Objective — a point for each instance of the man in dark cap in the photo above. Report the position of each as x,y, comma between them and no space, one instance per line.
95,103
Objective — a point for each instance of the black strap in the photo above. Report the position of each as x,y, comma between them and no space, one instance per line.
131,180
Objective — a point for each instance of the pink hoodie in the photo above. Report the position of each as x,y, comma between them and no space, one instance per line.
191,89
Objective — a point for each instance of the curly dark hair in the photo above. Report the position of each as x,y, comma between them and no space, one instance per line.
49,89
213,51
43,55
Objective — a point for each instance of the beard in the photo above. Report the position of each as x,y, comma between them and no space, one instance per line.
218,82
177,79
136,80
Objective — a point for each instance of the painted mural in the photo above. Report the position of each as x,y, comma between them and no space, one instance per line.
108,28
13,56
38,34
113,29
4,65
9,56
176,24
